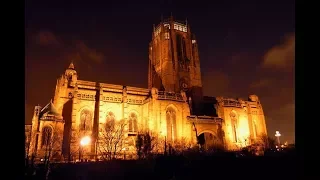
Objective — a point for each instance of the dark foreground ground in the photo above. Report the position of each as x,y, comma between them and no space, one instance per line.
178,167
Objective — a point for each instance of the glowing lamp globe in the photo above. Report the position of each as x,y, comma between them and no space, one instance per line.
85,141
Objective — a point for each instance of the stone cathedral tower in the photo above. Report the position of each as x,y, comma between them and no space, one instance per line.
174,64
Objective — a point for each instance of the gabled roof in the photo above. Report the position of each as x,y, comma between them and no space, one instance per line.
50,111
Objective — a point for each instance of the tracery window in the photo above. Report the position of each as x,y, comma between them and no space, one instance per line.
46,136
133,124
181,49
171,124
255,132
110,120
233,117
157,52
85,120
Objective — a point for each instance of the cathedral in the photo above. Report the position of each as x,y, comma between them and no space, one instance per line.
172,108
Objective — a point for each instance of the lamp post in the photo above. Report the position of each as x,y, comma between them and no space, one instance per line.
83,142
278,137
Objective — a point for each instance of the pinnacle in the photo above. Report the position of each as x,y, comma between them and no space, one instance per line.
71,66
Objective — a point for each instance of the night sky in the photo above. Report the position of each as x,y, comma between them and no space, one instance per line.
245,48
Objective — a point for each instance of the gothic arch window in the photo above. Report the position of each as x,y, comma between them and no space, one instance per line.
133,123
233,118
85,120
171,124
110,120
157,52
46,136
181,48
255,132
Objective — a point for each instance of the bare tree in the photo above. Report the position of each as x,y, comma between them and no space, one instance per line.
71,147
111,139
243,142
53,148
260,144
155,143
139,145
147,143
267,142
27,144
56,144
182,145
28,137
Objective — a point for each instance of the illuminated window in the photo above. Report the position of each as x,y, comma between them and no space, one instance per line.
85,120
110,121
171,125
184,29
133,124
46,136
175,26
166,35
233,118
255,129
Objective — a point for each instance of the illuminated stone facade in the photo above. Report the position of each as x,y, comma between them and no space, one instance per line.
172,107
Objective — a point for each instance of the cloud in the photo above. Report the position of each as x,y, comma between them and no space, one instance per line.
274,84
77,51
84,52
281,56
240,58
84,55
290,107
46,38
261,83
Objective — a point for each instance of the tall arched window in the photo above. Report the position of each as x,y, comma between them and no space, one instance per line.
85,120
255,132
133,124
46,136
157,52
110,120
233,118
171,124
181,48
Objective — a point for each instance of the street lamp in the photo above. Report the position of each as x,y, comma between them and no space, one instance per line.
278,137
83,142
